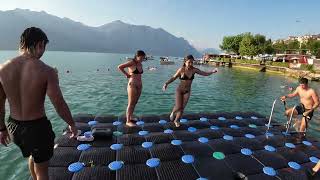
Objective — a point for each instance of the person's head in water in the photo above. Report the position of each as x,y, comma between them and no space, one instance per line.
188,61
139,56
33,41
303,83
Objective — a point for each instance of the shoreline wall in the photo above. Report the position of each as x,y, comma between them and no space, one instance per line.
295,73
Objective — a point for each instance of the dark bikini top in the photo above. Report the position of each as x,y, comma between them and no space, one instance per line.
136,71
185,77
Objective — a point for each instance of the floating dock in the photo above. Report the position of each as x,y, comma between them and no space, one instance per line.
206,146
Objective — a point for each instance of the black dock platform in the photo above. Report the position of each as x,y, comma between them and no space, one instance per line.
205,146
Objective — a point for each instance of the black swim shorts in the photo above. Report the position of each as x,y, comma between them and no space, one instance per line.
301,109
33,137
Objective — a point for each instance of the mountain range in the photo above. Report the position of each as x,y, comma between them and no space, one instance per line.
67,35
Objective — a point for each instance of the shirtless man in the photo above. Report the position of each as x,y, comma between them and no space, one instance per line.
309,101
25,81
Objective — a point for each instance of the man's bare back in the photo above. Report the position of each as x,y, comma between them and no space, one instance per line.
23,75
25,81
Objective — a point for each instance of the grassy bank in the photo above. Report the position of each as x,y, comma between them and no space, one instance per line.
275,67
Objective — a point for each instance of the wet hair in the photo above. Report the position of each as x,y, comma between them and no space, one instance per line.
303,81
139,53
187,58
30,38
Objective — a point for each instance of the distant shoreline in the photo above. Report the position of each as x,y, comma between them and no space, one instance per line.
279,70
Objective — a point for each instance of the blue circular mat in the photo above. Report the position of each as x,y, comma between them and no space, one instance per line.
83,147
115,165
116,147
246,151
269,148
294,165
116,123
234,127
176,142
203,119
192,129
201,178
290,145
147,144
222,118
162,121
168,131
92,123
75,167
140,123
314,159
307,143
269,171
187,159
183,120
214,127
143,133
153,162
203,140
87,134
228,137
250,136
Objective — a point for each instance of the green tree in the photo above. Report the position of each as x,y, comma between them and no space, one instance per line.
231,43
314,47
249,45
295,44
268,48
303,46
280,47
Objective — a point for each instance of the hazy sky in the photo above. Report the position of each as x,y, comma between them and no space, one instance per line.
202,22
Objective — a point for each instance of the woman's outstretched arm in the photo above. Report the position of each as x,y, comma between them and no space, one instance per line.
203,73
173,78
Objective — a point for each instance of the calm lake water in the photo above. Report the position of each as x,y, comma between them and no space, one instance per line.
87,90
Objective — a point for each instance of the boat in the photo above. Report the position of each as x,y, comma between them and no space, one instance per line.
149,57
198,61
166,61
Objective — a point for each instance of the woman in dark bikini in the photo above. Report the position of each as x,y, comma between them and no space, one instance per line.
134,84
183,91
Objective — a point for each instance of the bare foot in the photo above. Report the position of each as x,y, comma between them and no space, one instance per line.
176,123
130,124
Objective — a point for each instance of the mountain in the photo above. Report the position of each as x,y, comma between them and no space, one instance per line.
67,35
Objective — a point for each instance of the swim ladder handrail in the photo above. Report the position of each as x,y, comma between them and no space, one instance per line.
270,117
271,114
288,124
